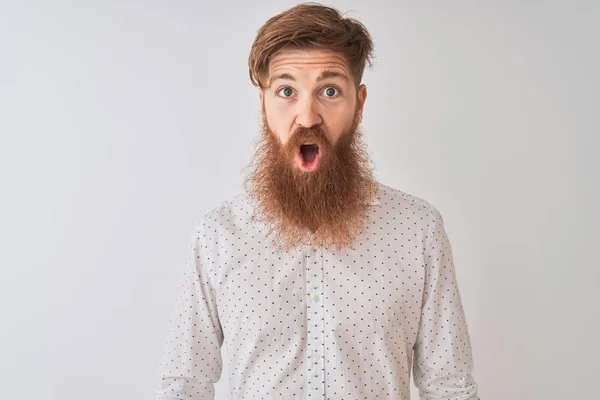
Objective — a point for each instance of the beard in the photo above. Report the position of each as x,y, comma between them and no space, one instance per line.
325,207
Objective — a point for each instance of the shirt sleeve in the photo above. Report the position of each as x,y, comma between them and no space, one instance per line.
191,360
442,353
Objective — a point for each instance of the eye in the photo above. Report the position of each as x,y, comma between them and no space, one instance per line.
287,92
332,92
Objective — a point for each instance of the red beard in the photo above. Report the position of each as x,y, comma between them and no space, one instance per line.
324,207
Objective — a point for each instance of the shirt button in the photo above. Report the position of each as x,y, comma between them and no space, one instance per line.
316,356
316,298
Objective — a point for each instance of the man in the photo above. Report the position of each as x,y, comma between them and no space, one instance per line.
324,282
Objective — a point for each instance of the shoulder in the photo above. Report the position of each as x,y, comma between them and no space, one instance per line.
229,217
396,201
412,213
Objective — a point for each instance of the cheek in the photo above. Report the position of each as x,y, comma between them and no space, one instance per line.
340,124
279,123
279,130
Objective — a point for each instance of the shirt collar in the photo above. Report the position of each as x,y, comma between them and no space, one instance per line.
375,202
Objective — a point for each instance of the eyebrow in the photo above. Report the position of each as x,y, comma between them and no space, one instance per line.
324,75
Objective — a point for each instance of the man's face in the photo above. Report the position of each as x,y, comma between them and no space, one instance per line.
310,89
310,171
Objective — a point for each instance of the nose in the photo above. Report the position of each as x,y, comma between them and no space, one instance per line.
308,116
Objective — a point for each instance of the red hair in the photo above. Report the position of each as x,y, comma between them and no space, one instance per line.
310,26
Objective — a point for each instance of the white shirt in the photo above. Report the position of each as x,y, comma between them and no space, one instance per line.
315,323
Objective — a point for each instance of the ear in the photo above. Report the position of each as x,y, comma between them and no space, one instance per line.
361,97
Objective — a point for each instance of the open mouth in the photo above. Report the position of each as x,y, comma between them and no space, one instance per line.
309,157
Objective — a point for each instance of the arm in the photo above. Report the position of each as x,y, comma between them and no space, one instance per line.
191,360
442,353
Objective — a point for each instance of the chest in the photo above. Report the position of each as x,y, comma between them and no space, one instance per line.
379,285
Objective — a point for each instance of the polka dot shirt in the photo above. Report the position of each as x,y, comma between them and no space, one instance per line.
316,323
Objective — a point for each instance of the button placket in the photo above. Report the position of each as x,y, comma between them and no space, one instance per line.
314,291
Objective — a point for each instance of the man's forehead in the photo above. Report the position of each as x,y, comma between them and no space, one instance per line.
312,61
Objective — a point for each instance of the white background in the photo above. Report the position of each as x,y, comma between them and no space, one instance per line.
122,122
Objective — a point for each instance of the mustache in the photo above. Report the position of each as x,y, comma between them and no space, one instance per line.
302,133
